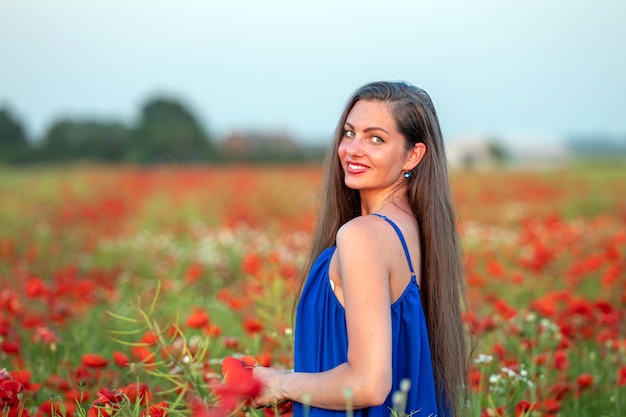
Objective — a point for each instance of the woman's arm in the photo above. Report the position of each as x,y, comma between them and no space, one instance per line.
364,273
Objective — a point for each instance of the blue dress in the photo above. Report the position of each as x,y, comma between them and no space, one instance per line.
321,341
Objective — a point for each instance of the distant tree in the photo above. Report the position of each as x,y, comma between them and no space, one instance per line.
14,146
60,143
68,140
267,147
108,141
169,132
497,151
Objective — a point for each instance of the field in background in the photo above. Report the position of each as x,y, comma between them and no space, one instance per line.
112,276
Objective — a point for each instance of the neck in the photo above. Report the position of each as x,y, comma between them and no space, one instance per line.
375,203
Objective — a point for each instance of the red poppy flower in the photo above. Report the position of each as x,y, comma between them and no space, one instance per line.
621,376
212,329
137,392
57,383
230,342
120,359
546,305
523,407
252,326
560,360
499,351
495,268
265,358
201,409
87,376
233,302
475,378
9,390
10,347
251,264
149,338
143,354
44,335
239,378
541,359
585,381
611,276
92,360
550,405
232,365
106,403
175,331
504,309
156,410
74,396
23,377
248,361
193,273
35,287
56,408
197,319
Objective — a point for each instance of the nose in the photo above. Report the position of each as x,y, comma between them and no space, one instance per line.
354,147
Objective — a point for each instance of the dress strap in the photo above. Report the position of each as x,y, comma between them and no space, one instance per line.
401,236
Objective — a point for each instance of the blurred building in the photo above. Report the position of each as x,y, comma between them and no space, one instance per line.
483,152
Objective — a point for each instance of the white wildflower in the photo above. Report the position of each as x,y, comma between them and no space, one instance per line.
482,358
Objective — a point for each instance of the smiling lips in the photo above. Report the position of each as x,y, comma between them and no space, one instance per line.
355,168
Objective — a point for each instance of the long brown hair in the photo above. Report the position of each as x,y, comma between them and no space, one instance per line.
442,284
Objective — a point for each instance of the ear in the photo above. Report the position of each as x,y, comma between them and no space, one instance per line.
414,156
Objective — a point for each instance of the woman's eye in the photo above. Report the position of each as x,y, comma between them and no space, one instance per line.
377,140
349,133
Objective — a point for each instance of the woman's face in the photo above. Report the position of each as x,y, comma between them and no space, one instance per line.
371,151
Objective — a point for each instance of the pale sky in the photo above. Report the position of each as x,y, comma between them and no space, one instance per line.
533,68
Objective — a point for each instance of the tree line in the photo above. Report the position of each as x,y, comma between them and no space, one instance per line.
166,132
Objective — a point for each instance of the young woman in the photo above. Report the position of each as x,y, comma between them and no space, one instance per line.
382,301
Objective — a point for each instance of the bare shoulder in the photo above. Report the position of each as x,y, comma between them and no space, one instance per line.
365,232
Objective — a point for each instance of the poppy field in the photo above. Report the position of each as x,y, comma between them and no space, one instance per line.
153,291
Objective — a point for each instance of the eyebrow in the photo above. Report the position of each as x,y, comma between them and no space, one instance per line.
368,129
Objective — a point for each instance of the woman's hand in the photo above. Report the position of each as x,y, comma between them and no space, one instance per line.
272,394
281,408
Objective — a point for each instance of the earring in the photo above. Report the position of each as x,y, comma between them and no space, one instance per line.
407,174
